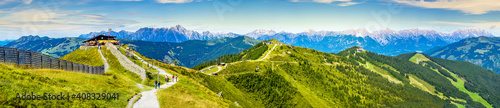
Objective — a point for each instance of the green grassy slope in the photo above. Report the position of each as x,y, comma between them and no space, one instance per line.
88,56
481,83
192,89
41,81
300,77
453,78
252,53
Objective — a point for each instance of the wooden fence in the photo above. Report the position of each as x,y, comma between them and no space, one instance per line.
34,59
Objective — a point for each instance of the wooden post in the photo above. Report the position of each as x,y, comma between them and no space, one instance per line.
3,50
17,54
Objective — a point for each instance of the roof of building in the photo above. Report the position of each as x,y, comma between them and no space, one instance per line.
101,37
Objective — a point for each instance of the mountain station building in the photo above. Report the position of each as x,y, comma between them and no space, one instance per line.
101,40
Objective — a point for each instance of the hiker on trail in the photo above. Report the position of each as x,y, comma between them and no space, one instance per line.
166,78
176,78
156,83
173,78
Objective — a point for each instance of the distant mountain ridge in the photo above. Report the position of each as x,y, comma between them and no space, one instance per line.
482,51
193,52
2,43
55,47
173,34
388,42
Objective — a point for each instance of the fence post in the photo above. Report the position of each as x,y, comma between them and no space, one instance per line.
85,68
29,59
3,50
41,60
103,70
50,62
17,56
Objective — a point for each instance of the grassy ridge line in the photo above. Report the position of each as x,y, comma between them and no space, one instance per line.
88,56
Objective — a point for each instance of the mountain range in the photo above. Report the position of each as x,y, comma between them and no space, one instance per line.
193,52
388,42
482,51
173,34
55,47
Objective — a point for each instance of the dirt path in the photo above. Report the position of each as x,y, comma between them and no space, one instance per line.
149,99
268,53
106,65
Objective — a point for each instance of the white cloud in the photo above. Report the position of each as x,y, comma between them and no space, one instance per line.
40,22
174,1
2,2
478,25
348,3
342,2
490,26
466,6
90,16
27,1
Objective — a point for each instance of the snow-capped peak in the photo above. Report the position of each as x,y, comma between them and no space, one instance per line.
261,32
356,32
465,33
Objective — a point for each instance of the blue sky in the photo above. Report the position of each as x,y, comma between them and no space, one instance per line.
70,18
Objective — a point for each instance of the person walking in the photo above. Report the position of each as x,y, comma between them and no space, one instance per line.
173,78
159,84
156,83
166,78
176,78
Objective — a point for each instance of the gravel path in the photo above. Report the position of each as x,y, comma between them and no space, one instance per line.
106,65
149,99
268,53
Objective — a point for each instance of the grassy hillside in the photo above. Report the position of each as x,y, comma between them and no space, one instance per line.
475,79
85,55
40,81
457,81
300,77
230,94
192,52
190,91
251,54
